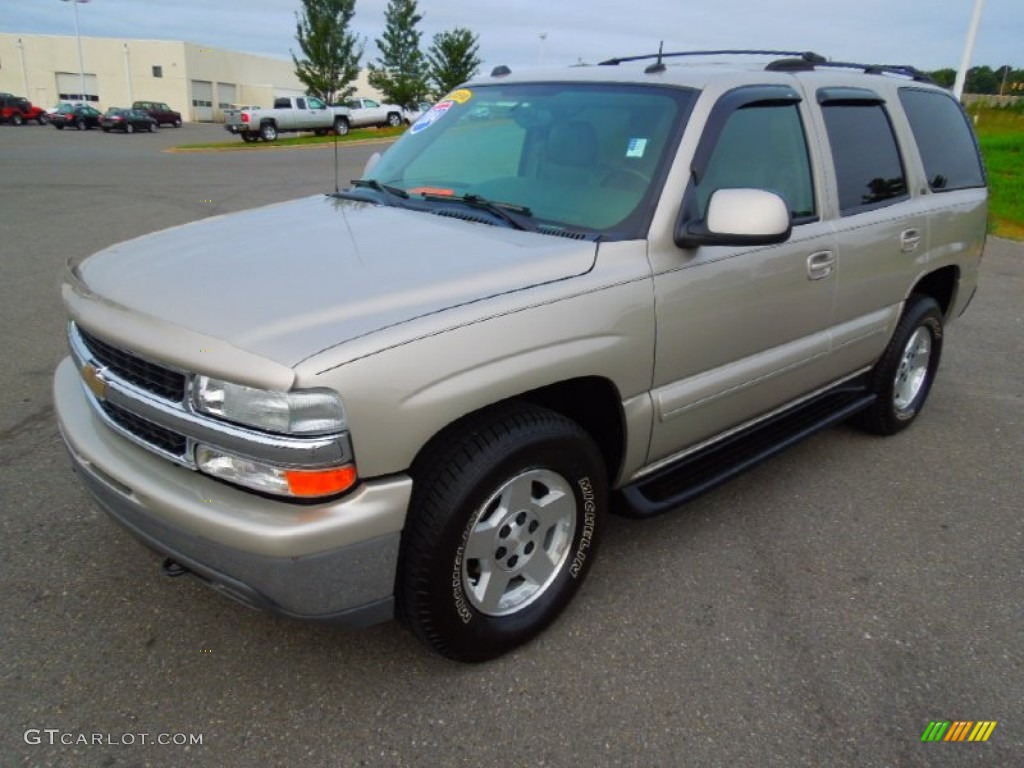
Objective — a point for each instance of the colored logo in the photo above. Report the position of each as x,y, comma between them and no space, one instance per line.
958,730
436,113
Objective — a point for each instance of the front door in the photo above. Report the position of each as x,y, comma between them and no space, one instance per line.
743,330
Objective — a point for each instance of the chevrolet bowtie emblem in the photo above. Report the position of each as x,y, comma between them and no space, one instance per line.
93,378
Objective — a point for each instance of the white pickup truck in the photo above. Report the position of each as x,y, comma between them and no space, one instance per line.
289,114
368,112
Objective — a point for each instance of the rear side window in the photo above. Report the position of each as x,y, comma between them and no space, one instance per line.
869,170
950,156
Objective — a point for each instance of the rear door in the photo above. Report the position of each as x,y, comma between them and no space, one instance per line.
881,227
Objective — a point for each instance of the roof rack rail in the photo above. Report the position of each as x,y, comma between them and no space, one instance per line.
808,56
905,70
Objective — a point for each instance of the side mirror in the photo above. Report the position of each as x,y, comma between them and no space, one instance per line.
738,217
370,162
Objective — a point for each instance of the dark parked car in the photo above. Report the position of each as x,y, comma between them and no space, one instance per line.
17,110
127,120
80,116
160,112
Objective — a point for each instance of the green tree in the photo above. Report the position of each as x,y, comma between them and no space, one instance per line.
944,77
400,73
981,80
452,59
331,52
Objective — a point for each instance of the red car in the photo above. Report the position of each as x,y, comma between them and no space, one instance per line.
78,116
17,109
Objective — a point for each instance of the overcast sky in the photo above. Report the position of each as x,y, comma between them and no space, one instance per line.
928,34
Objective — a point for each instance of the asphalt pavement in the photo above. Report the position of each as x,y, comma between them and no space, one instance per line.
820,610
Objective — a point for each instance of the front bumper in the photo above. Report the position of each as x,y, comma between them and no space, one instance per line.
334,561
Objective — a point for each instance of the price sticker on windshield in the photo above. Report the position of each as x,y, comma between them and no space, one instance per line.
436,112
460,96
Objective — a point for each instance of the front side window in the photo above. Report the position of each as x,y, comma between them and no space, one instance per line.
762,147
944,139
580,156
869,170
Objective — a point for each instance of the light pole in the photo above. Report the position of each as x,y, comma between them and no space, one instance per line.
972,34
543,36
78,37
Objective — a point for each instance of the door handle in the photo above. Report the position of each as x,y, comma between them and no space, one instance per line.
909,240
820,265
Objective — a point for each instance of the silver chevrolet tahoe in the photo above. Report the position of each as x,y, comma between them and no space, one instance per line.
558,292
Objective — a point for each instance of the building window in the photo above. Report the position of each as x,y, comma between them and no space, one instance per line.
201,103
158,71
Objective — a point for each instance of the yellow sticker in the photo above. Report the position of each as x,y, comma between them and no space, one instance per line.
460,96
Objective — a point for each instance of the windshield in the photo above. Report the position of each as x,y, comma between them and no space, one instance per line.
579,156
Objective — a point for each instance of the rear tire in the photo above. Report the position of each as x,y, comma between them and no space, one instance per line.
394,119
903,377
249,138
17,120
268,132
43,120
504,526
80,125
177,122
129,128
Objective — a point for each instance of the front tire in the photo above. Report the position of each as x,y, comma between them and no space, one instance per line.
506,513
129,128
341,126
80,125
903,377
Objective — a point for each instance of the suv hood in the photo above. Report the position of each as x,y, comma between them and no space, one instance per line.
293,279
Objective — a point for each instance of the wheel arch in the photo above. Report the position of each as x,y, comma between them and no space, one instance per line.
941,285
593,402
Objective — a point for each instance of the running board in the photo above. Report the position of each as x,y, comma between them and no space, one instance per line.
678,483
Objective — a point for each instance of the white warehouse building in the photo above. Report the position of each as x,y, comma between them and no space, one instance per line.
198,81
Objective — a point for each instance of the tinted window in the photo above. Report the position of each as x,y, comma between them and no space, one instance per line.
869,171
943,136
762,147
576,155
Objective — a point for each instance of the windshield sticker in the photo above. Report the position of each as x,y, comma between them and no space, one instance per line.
636,147
429,118
460,96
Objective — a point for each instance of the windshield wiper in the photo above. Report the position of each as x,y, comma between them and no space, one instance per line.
510,213
376,186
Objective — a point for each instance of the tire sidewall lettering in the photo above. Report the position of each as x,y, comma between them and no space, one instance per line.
586,538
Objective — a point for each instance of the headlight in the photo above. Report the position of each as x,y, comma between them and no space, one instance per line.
304,412
297,483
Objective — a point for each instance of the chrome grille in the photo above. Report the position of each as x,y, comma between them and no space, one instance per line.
146,431
151,377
